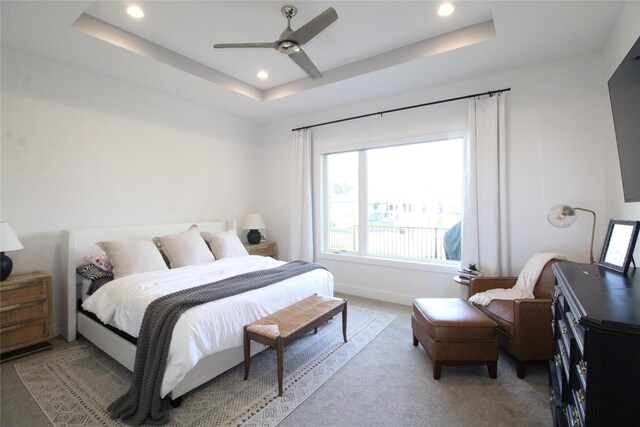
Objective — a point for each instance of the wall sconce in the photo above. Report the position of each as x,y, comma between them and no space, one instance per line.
563,216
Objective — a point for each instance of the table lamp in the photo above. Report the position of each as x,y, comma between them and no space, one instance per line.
253,223
563,216
8,242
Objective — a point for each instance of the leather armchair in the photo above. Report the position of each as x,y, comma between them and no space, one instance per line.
524,326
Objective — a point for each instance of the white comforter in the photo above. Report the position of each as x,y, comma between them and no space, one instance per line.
208,328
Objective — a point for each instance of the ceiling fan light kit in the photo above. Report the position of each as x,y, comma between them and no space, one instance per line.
288,47
290,41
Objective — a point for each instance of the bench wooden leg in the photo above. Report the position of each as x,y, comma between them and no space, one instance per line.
344,321
280,354
247,353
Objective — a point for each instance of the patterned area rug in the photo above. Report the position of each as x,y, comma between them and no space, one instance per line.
74,386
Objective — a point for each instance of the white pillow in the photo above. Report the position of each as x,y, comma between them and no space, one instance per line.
225,244
186,248
133,256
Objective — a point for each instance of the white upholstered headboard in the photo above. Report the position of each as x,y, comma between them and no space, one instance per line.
80,242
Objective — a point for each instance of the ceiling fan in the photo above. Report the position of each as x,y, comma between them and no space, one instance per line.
290,41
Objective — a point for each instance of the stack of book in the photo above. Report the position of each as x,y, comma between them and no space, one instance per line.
466,274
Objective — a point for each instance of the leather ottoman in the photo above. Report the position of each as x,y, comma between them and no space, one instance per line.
454,333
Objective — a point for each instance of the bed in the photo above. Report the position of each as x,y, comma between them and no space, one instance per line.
78,243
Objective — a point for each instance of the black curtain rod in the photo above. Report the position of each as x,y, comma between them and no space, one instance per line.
490,93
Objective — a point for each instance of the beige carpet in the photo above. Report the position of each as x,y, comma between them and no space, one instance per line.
74,386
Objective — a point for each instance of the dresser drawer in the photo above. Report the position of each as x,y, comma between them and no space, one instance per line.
23,334
572,416
579,398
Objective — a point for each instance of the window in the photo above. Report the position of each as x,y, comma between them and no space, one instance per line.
342,200
408,197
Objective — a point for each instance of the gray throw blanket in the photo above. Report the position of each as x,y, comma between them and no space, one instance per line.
142,403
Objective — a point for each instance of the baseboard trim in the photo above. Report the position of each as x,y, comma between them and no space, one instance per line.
374,294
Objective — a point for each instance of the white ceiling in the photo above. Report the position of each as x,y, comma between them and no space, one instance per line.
374,49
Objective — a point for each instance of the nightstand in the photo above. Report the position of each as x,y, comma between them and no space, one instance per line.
262,248
25,314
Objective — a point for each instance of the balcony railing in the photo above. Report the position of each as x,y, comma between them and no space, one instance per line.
405,242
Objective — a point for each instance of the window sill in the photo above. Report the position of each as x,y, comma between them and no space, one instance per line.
446,267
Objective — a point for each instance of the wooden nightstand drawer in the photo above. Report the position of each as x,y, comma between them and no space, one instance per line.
15,293
262,248
24,334
20,312
25,314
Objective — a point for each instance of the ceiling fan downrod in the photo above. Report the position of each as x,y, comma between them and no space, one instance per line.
289,12
288,46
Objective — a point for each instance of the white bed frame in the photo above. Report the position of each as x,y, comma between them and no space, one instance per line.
78,243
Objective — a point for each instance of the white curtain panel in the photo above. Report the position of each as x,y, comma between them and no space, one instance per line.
485,223
301,215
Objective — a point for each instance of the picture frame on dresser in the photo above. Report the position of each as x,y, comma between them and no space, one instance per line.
619,243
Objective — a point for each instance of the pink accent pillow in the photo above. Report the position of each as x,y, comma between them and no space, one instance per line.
100,260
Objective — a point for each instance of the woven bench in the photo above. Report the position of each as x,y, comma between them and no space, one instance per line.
290,323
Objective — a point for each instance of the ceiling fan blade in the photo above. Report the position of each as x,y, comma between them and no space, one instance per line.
273,45
312,28
305,63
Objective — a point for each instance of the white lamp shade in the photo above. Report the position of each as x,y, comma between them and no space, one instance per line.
8,239
253,222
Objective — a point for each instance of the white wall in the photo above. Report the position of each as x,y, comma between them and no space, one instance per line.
559,131
80,150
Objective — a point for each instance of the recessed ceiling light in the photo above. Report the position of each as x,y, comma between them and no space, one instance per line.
135,11
446,9
262,75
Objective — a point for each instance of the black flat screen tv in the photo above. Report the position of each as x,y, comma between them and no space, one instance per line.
624,92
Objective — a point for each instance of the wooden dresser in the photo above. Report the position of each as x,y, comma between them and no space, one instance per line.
25,314
595,372
262,248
